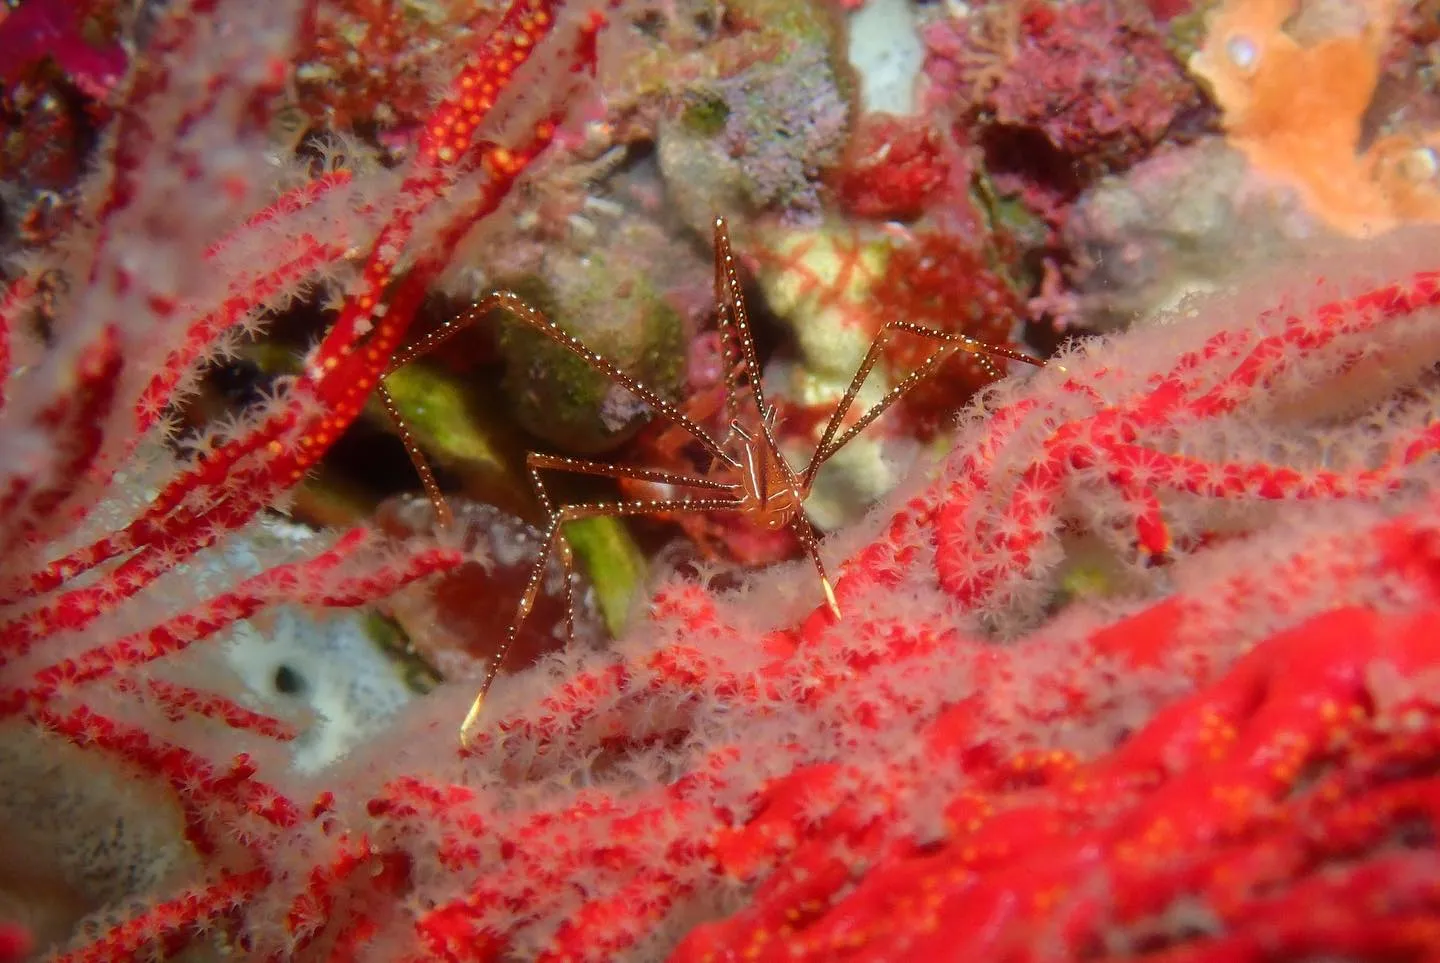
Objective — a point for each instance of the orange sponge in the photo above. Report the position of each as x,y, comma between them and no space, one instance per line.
1294,86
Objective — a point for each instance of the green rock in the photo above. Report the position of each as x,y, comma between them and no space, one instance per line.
705,115
808,21
613,309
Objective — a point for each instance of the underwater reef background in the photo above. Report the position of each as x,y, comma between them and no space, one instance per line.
1138,653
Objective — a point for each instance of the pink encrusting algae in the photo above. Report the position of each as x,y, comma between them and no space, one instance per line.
1144,668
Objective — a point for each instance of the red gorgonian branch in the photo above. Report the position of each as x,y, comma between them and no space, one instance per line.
114,547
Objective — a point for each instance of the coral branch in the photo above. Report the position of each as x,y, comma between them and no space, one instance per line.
119,557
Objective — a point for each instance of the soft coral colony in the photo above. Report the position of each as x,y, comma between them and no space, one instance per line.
1145,669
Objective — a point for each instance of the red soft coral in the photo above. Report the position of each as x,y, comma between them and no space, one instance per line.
891,167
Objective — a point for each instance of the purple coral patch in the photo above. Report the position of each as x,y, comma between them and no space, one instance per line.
1101,89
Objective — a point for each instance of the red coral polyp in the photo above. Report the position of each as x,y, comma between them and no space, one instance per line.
891,168
947,283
